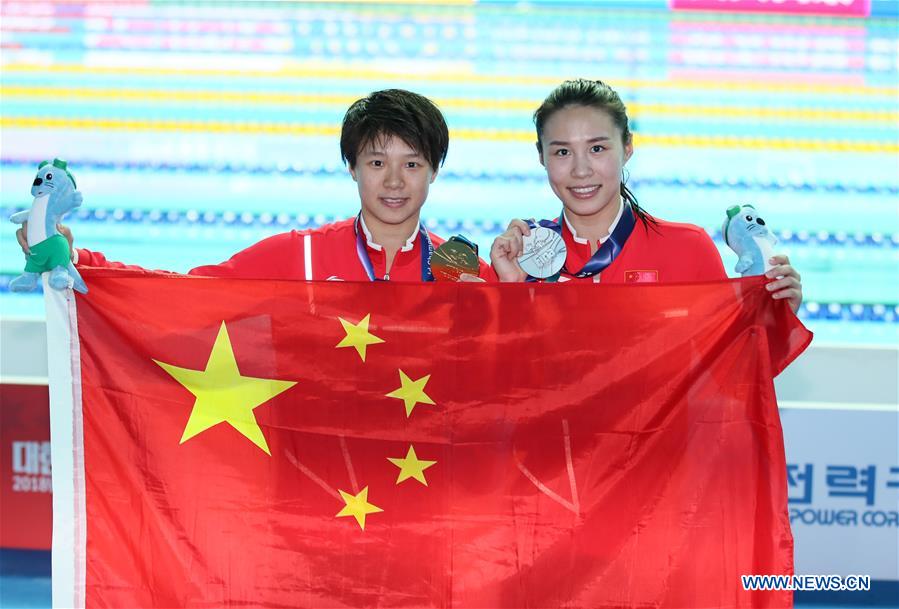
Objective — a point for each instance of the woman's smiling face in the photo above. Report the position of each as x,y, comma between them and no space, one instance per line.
583,153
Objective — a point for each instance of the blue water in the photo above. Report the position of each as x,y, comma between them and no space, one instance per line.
796,115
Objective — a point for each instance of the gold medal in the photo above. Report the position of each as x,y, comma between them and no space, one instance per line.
456,256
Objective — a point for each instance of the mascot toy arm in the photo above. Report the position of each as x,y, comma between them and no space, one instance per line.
54,195
747,235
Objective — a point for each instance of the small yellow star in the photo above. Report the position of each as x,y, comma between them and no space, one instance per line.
411,467
358,336
357,506
223,394
411,392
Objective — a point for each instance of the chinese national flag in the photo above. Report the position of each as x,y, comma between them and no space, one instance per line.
329,444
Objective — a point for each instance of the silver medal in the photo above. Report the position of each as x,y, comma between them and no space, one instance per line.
544,253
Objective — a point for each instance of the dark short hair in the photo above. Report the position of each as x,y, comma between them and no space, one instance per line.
395,113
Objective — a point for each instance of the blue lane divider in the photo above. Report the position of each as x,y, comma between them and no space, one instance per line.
287,221
477,176
854,312
850,311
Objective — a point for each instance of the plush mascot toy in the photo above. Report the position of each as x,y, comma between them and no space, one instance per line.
54,195
746,234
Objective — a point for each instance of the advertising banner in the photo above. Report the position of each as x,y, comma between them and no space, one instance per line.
843,486
841,8
25,500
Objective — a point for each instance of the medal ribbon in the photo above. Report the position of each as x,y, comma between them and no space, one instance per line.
608,250
427,249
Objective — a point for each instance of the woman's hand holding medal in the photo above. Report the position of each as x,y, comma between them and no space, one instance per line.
505,252
523,251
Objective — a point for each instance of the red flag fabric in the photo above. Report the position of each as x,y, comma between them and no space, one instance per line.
328,444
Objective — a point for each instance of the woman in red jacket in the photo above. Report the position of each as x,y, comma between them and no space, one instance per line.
583,141
394,142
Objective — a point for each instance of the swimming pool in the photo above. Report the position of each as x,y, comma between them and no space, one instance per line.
194,132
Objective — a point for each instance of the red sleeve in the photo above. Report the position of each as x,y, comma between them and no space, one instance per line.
706,259
97,259
486,272
277,257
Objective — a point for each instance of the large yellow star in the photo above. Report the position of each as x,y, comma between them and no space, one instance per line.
223,394
358,336
357,506
411,466
411,392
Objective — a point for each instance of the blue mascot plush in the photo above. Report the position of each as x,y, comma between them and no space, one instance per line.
54,195
746,234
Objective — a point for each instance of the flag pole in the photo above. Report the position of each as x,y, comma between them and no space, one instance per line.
66,448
